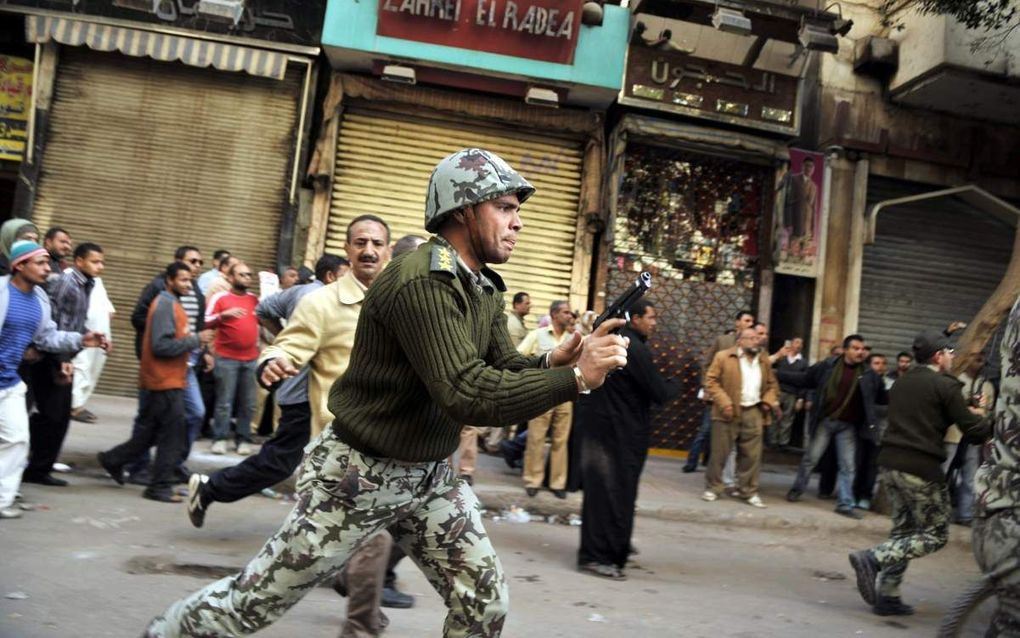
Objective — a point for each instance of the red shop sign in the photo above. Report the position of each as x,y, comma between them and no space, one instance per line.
536,29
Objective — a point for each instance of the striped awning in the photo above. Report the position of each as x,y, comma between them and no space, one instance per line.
158,46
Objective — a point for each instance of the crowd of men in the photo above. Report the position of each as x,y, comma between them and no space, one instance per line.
382,371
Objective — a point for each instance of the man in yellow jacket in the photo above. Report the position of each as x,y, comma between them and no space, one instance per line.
744,392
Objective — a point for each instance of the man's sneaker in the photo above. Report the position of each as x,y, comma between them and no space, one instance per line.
196,509
244,448
866,568
709,495
863,504
892,606
219,447
687,469
793,495
116,472
395,599
849,512
10,512
756,501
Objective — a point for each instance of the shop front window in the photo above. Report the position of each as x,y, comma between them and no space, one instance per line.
696,222
692,217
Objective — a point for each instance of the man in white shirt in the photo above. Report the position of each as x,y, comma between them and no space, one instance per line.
744,392
555,422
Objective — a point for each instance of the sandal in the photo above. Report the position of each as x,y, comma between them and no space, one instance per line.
84,416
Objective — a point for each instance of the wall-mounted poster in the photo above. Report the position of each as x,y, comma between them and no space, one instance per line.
800,196
15,106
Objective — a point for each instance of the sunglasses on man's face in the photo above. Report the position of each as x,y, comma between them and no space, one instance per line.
195,262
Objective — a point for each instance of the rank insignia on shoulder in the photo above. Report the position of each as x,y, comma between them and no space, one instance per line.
442,260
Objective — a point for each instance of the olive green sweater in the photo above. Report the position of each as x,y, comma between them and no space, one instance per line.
922,406
431,354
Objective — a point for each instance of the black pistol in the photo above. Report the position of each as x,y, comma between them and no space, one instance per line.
622,305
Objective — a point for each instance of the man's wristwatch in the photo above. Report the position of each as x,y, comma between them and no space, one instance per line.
582,386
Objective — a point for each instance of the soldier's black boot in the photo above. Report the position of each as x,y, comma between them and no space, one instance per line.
891,606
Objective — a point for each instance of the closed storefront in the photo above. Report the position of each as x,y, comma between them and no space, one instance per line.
411,87
383,164
144,155
932,262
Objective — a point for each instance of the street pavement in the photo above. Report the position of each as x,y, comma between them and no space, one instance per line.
95,559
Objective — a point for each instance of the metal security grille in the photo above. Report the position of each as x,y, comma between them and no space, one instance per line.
932,262
144,156
383,165
696,222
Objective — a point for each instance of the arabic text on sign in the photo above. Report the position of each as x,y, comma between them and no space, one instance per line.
662,72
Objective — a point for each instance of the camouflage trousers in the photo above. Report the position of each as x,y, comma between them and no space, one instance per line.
344,498
920,516
997,549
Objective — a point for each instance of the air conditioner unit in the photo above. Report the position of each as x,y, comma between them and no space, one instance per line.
542,97
229,10
731,21
399,74
815,38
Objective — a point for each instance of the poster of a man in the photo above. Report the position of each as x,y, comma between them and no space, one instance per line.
797,237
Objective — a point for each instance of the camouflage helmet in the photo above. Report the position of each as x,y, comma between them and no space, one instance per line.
470,176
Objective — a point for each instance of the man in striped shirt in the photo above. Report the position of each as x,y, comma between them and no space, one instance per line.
25,319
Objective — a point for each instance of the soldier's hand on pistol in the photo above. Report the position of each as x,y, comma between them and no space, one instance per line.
567,353
601,353
277,370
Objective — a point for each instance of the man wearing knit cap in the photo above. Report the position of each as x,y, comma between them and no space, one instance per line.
922,405
25,319
431,353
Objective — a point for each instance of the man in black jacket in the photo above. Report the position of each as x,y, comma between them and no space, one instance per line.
615,425
925,401
847,392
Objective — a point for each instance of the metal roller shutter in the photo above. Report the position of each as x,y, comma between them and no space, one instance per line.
144,156
383,165
932,262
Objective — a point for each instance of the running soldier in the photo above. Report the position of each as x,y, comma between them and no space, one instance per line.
431,352
997,484
922,405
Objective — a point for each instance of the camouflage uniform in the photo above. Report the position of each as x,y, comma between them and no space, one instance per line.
431,352
997,484
920,516
345,497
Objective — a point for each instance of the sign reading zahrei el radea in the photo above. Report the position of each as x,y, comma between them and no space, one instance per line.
536,29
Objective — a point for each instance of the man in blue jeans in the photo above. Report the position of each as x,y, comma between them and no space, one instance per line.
847,392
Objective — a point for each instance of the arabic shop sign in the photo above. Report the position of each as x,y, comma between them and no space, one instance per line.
679,82
535,29
286,21
15,106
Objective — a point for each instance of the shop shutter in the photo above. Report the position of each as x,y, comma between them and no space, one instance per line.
383,165
144,156
932,262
